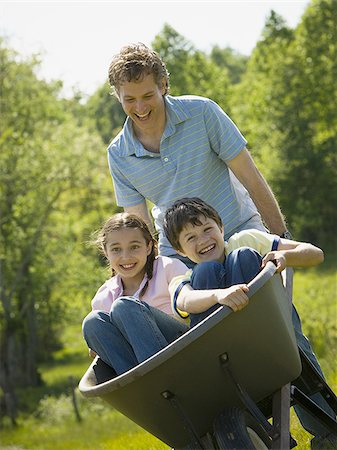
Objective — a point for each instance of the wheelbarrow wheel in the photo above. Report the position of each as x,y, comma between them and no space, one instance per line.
236,429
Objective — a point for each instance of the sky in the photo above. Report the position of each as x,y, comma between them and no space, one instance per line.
77,39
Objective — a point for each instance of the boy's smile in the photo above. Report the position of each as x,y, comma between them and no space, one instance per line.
203,242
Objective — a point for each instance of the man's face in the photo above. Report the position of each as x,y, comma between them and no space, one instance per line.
203,242
143,102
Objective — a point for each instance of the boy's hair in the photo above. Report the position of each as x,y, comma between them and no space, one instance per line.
132,63
187,211
121,221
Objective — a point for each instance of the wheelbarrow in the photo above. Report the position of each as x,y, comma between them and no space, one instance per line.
217,385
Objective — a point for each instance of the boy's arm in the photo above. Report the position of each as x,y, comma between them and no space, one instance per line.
294,254
197,301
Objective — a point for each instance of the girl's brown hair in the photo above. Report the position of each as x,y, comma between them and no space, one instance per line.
125,220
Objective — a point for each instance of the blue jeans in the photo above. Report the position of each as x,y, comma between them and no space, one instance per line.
241,266
132,332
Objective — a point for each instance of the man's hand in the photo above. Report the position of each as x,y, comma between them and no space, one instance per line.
278,257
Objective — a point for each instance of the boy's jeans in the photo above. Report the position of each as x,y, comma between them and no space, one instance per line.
241,266
132,332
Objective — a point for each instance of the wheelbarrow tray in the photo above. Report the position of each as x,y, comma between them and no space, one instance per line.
258,341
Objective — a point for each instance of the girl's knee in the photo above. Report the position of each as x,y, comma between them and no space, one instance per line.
91,321
124,304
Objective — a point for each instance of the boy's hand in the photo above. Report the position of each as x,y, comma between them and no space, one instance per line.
278,258
235,296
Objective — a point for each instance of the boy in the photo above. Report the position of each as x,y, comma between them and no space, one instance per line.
195,230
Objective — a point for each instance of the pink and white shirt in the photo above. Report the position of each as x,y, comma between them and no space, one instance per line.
157,293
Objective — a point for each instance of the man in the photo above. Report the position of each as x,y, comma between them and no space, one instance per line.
174,147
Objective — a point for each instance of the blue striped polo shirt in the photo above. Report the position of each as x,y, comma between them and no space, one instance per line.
197,141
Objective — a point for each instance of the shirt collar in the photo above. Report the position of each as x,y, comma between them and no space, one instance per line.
115,285
176,112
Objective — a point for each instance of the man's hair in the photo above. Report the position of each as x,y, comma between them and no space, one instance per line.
187,211
132,63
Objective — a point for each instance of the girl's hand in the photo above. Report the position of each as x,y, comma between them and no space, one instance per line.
235,296
92,354
278,258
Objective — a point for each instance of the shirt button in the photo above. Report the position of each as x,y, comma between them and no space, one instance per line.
166,159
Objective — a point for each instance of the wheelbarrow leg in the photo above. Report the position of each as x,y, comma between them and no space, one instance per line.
281,399
279,431
195,438
281,419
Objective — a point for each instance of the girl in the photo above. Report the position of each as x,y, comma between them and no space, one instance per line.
131,317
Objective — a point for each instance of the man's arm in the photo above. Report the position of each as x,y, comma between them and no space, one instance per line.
250,177
294,254
141,211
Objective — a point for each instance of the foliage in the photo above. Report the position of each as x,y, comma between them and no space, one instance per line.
290,118
234,62
191,71
315,299
53,194
176,52
107,113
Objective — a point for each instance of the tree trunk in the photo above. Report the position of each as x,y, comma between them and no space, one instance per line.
31,372
6,380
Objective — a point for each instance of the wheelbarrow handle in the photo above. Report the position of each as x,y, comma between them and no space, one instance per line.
261,278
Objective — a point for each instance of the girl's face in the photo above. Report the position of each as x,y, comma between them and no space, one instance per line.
127,252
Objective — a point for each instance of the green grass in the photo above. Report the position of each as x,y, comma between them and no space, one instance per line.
108,430
314,296
49,421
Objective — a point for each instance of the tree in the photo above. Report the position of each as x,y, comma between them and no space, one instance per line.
175,51
232,61
290,119
53,188
107,113
192,72
314,95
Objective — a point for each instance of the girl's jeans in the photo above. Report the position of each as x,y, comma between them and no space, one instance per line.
132,332
241,266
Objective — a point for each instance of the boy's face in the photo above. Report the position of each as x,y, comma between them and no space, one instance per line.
203,242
